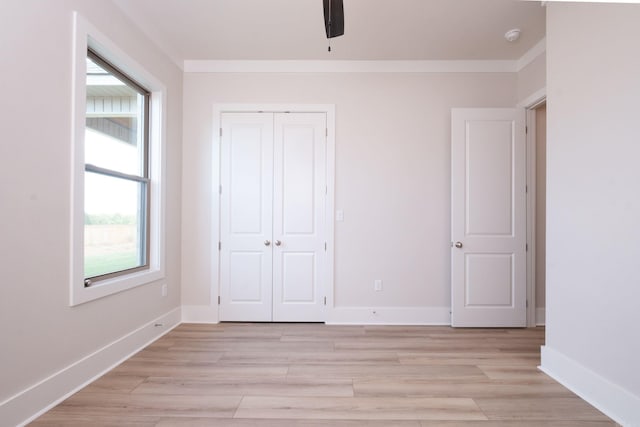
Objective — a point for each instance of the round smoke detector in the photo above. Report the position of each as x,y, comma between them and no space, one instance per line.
512,35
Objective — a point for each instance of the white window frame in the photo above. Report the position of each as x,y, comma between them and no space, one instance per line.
85,36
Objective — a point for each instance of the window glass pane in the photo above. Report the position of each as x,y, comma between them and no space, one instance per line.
115,229
114,122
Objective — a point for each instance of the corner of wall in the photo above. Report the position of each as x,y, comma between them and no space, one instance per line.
200,314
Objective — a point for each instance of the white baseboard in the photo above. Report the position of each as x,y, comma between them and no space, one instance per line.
540,316
32,402
612,400
346,315
389,316
200,314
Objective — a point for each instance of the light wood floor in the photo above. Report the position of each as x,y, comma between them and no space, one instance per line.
286,375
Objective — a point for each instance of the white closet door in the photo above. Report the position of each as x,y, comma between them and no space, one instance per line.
246,219
298,211
272,230
488,223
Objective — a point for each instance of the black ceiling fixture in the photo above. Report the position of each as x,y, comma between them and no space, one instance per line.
333,19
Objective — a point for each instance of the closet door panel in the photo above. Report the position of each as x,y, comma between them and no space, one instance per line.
246,219
298,206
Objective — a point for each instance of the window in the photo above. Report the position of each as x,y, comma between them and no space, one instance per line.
116,173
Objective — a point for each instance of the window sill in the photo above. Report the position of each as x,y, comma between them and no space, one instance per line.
104,288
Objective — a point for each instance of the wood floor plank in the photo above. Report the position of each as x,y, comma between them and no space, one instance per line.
456,388
239,344
431,344
171,354
307,330
356,408
312,358
541,409
65,419
192,369
254,358
321,387
137,405
384,371
487,358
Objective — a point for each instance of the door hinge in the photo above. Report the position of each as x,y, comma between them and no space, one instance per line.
219,246
326,131
526,188
526,247
526,129
325,246
220,131
325,300
527,304
220,189
218,299
326,189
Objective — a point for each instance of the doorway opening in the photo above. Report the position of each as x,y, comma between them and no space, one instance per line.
536,200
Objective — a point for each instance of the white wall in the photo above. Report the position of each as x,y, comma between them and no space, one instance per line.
40,333
593,204
392,178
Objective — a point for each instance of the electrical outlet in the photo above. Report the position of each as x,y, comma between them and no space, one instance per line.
377,285
164,290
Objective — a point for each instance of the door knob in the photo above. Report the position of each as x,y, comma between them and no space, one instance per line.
458,245
267,242
278,242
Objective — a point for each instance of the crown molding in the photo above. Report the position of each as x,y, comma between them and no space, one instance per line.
531,55
364,66
344,66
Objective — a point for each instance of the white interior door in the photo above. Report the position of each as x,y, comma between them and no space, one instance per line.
272,230
488,222
246,217
299,196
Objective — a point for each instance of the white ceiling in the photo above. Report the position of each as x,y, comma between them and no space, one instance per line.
374,29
